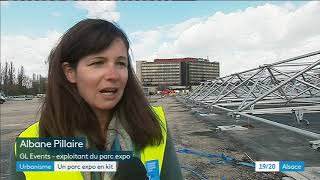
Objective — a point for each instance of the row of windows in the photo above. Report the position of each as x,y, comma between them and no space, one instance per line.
178,70
197,77
200,75
159,68
158,75
203,64
178,67
177,76
157,83
160,78
175,63
205,67
157,71
177,81
178,73
160,65
161,74
178,64
203,72
201,79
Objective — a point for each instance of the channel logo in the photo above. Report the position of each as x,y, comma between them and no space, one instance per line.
276,166
291,166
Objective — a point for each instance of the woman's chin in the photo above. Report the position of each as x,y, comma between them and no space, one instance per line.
108,106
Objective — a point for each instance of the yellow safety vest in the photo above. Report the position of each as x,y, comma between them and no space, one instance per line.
147,154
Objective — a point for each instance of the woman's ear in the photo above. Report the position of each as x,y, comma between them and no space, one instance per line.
69,72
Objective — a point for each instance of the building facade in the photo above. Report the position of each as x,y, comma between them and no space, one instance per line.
176,71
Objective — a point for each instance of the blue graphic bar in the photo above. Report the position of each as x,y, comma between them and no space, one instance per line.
291,166
34,166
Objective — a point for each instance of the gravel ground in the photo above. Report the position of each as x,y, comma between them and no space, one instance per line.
190,132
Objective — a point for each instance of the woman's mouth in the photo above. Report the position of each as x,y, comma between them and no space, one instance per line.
109,91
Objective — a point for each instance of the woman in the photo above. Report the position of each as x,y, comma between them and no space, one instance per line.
93,92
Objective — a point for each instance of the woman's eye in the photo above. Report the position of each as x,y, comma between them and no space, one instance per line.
96,63
122,64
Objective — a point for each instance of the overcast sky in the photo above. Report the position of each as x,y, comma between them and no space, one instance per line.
239,35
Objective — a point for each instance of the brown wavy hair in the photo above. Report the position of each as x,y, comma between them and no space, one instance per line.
64,112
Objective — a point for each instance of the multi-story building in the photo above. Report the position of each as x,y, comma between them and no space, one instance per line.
176,71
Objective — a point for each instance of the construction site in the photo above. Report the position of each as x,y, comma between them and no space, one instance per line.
223,126
271,113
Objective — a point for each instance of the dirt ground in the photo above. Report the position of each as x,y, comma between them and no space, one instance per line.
191,133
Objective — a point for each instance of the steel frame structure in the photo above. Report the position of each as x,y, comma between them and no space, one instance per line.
285,82
280,87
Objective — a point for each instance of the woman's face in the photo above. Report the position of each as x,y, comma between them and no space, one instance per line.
101,78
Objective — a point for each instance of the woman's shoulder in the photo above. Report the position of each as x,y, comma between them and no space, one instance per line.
157,108
159,111
31,131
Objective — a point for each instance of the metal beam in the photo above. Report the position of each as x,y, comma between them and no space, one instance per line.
290,128
316,63
281,84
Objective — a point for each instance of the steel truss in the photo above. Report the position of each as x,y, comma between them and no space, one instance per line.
281,87
295,80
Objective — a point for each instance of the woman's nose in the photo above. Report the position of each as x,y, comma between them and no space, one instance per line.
111,72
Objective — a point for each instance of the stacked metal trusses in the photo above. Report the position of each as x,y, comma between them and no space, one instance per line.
288,86
288,82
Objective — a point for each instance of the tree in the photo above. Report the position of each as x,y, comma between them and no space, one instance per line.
1,78
11,74
12,84
21,77
5,78
43,85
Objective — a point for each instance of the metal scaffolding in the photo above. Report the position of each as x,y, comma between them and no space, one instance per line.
287,86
